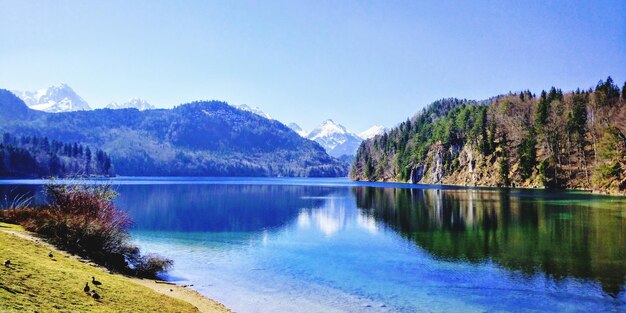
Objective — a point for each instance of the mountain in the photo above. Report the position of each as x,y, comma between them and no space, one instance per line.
373,131
254,110
295,127
132,103
335,138
208,138
54,99
555,140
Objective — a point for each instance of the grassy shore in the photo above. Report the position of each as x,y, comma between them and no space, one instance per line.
35,282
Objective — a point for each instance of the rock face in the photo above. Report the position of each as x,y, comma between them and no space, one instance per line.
464,171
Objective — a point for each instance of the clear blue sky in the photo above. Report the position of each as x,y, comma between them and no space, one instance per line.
360,63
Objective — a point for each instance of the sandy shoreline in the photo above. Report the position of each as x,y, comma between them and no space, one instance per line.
202,303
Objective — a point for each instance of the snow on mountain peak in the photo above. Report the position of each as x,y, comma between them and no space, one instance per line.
295,127
255,110
54,99
373,131
330,128
335,138
132,103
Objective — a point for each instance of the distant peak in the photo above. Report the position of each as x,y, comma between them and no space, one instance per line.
295,127
54,99
132,103
255,110
373,131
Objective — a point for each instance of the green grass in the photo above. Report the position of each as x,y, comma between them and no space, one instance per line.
35,282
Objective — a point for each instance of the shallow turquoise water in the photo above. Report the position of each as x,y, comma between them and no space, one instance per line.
332,245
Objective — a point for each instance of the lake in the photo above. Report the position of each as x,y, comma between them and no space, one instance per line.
333,245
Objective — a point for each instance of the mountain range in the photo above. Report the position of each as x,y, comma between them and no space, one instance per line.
204,138
333,137
62,98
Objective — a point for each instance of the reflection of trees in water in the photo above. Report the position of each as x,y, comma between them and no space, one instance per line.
234,208
520,233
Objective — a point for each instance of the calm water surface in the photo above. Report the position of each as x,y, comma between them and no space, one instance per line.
332,245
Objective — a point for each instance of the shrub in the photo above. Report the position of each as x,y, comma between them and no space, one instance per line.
151,265
83,219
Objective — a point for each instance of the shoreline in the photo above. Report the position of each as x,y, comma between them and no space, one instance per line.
405,184
183,293
594,192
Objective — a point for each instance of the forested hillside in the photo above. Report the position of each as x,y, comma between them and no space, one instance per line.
553,140
207,138
36,157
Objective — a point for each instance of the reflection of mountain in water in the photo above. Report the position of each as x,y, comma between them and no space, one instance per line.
558,237
234,208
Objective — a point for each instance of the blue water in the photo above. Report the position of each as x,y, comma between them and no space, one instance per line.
333,245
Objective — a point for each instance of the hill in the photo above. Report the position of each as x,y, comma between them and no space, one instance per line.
555,140
206,138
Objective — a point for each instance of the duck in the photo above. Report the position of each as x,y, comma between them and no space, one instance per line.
7,263
86,289
95,295
95,282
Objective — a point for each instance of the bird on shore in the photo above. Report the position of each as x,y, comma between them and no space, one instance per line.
95,295
95,282
7,263
50,254
86,289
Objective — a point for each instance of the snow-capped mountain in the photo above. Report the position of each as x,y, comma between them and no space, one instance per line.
335,138
132,103
295,127
373,131
255,110
54,99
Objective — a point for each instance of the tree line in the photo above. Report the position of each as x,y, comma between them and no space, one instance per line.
32,156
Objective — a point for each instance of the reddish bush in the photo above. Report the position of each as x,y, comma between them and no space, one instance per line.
84,220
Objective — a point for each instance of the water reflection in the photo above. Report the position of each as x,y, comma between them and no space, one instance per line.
217,208
562,236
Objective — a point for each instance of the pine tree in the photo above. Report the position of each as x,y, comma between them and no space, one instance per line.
542,109
87,160
528,154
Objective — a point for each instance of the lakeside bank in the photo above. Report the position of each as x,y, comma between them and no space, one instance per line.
34,281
